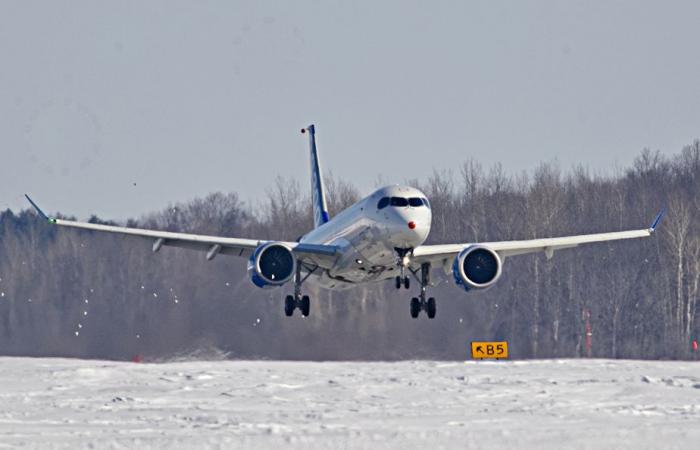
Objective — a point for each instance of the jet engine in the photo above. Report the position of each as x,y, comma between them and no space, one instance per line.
476,267
271,264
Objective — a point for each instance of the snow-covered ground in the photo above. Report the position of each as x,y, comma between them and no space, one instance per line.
61,403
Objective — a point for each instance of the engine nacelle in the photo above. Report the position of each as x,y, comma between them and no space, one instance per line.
271,265
476,267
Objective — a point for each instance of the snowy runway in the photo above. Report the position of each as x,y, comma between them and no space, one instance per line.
61,403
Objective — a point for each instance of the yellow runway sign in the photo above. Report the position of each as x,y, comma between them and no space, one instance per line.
490,350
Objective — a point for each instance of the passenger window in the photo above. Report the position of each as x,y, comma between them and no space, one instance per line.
399,201
415,202
383,203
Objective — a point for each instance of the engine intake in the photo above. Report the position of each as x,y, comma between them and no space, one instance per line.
271,264
476,267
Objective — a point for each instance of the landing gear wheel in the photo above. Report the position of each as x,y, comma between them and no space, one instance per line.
304,306
415,307
431,308
406,282
398,282
289,306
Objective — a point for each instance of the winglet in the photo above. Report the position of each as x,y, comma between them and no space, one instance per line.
38,210
657,219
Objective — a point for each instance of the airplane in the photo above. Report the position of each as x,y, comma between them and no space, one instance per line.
378,238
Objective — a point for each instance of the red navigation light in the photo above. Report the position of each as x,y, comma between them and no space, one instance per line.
411,225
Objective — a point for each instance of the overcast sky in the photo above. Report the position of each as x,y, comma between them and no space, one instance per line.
119,108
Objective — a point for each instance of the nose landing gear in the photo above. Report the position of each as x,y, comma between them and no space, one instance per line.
421,304
403,281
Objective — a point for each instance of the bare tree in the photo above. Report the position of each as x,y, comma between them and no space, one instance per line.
80,293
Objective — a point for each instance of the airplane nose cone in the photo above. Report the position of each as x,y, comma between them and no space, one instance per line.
411,225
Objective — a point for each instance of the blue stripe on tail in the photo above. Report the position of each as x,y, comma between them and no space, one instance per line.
318,195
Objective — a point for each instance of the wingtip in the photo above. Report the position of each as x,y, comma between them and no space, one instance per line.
657,220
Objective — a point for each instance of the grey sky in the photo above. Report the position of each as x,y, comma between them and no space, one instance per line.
185,98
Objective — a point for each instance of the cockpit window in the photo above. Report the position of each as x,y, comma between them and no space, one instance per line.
426,202
383,203
399,201
415,202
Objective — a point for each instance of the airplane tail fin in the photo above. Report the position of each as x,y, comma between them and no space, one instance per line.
318,194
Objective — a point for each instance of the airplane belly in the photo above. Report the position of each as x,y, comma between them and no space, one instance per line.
366,257
365,249
373,248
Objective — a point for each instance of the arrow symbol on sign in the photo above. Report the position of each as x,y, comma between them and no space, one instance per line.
479,349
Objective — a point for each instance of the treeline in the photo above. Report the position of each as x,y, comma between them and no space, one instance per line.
77,293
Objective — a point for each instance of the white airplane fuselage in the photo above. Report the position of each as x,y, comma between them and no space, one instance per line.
368,235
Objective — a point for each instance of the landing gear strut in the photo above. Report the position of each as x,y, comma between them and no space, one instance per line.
418,304
292,302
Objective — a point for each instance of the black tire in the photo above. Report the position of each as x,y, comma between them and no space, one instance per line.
398,282
415,307
431,308
305,306
289,306
407,283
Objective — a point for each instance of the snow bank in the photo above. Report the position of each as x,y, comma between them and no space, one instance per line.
60,403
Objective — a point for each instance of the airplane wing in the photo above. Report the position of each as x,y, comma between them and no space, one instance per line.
445,254
317,255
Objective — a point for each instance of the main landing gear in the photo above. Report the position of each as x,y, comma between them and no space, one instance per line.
292,302
419,304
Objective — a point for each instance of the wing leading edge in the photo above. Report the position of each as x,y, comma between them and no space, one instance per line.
320,255
441,253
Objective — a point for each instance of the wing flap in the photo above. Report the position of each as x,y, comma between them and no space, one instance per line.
512,248
434,253
316,254
320,255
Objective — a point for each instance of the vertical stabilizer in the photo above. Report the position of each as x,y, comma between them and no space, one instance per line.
318,192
